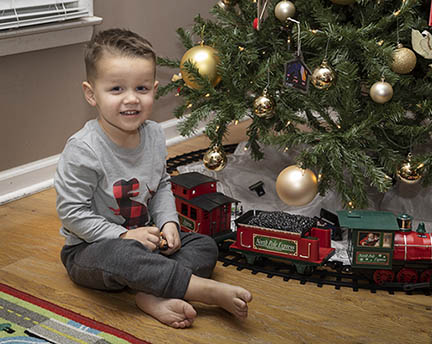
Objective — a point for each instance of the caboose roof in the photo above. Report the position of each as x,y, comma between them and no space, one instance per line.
368,219
210,201
191,179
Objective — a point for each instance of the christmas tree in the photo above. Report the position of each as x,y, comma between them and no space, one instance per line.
349,81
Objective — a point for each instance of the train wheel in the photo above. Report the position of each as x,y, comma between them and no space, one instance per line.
383,276
250,258
304,269
407,276
426,276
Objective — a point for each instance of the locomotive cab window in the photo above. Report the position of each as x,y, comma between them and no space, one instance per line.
374,239
369,239
387,240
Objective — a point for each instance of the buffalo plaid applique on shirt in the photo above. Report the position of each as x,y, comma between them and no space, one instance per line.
134,212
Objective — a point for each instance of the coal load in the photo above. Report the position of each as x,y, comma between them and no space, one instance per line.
283,221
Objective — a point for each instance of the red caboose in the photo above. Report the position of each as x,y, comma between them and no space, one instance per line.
200,207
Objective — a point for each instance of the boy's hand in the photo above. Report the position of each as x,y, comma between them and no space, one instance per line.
148,236
171,235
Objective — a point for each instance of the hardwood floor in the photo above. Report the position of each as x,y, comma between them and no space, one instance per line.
281,312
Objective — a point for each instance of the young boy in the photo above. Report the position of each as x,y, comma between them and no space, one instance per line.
114,195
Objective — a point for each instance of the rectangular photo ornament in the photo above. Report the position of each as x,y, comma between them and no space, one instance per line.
297,75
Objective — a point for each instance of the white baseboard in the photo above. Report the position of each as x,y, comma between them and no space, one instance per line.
36,176
27,179
172,135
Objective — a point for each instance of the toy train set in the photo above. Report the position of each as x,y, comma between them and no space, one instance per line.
383,249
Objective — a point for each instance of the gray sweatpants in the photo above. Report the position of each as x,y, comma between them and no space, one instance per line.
114,264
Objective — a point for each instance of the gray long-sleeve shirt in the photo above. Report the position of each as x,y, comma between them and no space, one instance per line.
102,188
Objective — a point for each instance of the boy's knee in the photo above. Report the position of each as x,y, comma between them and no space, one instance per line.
210,247
206,257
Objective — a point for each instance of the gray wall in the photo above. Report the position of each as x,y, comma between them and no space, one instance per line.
40,92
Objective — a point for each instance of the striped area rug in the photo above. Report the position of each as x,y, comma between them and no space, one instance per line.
28,319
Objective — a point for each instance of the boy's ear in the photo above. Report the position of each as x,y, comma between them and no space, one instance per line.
156,85
89,93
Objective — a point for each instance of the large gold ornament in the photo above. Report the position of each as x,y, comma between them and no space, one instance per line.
323,76
408,173
284,10
404,60
381,92
264,106
215,159
343,2
205,59
296,186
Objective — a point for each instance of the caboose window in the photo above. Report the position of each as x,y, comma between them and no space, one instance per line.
184,209
184,191
193,213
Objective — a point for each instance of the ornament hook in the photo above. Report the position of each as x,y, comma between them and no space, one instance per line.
202,35
298,35
326,49
260,12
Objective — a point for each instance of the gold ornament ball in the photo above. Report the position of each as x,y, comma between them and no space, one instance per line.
381,92
323,76
296,186
404,60
215,159
284,10
205,60
343,2
224,4
264,106
408,173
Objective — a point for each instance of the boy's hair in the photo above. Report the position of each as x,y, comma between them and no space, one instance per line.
117,42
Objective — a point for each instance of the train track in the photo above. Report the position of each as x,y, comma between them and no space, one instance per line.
188,158
334,273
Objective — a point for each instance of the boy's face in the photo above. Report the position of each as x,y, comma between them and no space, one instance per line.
123,92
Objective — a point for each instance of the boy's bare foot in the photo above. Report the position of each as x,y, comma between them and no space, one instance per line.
176,313
234,299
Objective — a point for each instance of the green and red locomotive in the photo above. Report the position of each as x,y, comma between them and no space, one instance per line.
388,246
